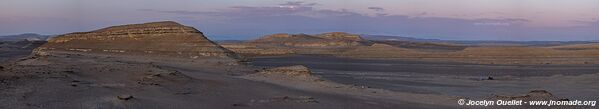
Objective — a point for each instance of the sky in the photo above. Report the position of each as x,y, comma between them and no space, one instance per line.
518,20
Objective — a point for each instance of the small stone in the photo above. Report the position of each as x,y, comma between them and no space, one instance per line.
239,104
263,101
311,101
173,73
183,93
124,97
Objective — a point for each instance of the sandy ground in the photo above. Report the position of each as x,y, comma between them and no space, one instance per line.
100,82
574,82
79,81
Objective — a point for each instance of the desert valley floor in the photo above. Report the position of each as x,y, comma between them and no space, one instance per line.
449,78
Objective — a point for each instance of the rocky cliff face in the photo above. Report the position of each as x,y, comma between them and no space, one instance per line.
161,39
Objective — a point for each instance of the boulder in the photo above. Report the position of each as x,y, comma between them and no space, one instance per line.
124,97
296,70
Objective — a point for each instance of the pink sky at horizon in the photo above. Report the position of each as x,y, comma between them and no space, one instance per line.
540,12
551,13
59,16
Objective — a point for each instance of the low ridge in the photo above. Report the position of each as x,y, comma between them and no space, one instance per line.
333,39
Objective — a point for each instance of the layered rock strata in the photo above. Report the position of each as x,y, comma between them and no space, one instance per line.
156,39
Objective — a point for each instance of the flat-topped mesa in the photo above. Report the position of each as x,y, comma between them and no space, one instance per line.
334,39
282,38
341,35
162,39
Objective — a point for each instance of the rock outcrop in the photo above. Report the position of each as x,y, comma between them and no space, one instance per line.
295,73
296,70
157,39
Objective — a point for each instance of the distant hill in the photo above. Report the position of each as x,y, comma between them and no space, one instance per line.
395,38
20,45
474,42
333,39
285,44
229,41
589,46
26,36
424,46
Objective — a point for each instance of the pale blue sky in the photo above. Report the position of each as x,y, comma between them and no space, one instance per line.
246,19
